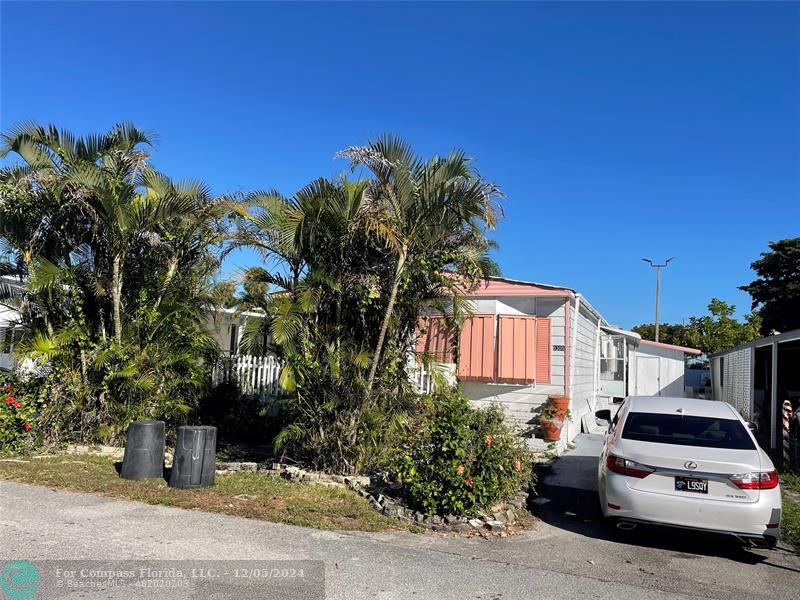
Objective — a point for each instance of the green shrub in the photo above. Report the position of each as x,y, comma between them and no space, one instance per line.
19,411
95,390
459,459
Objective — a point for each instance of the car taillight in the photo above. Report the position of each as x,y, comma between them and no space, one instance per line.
631,468
757,480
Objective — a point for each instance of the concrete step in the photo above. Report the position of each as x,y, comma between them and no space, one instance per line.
529,405
522,417
537,444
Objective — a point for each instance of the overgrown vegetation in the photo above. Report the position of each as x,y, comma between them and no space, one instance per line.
118,265
457,459
117,261
349,267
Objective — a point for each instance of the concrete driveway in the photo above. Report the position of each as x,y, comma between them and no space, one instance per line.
568,555
672,560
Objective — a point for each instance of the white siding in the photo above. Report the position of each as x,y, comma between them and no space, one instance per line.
8,361
484,306
664,377
220,324
9,319
584,350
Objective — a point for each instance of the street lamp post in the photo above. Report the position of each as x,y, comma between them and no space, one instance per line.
658,268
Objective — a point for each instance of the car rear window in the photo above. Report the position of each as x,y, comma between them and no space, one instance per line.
686,430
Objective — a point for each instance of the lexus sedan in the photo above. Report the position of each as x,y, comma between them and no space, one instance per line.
690,464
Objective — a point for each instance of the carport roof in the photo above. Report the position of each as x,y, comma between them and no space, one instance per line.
617,331
786,336
684,349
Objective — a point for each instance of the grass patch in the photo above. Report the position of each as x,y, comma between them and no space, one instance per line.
259,496
790,521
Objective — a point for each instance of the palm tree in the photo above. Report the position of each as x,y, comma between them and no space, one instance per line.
103,189
107,242
307,239
426,205
349,266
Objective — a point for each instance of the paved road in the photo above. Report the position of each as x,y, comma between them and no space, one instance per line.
568,555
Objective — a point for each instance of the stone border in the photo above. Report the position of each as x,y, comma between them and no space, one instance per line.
293,473
497,521
96,449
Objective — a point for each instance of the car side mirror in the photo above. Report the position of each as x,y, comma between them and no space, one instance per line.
752,426
603,415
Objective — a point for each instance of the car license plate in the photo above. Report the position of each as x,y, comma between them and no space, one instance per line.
691,484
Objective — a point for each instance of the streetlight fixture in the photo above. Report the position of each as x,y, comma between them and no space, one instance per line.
658,268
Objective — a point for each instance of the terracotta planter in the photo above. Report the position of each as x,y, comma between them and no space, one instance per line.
560,403
551,429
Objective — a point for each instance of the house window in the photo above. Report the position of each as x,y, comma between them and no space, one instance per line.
612,358
234,345
721,371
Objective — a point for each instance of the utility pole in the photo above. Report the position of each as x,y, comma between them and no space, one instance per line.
658,268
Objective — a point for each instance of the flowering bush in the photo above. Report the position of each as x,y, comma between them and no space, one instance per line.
458,459
19,407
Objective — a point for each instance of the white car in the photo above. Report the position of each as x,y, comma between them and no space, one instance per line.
691,464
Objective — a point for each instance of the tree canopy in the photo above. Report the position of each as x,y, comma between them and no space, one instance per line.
717,331
776,290
349,267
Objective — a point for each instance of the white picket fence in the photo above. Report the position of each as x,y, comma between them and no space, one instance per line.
256,375
260,375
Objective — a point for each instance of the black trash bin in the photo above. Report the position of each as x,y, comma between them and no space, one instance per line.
144,451
195,457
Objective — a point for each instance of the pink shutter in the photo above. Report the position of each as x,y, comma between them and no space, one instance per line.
422,334
435,340
476,349
516,349
543,351
439,342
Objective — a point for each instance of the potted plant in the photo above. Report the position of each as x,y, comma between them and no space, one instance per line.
560,403
551,423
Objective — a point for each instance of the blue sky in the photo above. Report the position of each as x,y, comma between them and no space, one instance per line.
617,131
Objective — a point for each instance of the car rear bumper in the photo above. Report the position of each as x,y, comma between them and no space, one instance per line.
765,540
746,520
